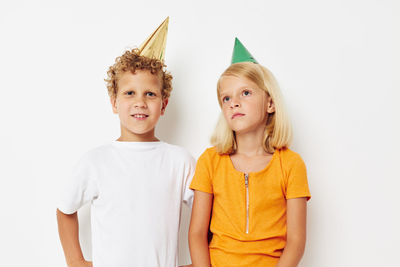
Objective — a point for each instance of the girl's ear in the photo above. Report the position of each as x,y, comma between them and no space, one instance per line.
271,105
164,105
113,101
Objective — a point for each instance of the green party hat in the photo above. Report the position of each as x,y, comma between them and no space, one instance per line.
241,54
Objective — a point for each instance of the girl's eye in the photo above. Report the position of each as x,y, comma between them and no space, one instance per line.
129,93
246,93
225,99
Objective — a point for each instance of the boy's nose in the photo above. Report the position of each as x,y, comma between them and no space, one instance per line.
140,103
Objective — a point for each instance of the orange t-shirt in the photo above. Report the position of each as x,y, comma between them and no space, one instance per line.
248,219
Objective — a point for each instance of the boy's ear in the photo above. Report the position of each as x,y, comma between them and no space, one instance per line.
164,105
113,101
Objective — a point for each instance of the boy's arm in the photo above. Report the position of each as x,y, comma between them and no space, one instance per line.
296,232
198,230
68,229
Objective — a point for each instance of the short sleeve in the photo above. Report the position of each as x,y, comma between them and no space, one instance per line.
189,172
297,184
202,176
79,188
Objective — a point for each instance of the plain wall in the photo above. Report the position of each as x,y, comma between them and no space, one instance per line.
338,65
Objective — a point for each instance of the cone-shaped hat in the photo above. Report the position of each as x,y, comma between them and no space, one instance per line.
154,46
241,54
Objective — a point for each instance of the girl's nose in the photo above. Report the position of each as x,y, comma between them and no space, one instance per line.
235,103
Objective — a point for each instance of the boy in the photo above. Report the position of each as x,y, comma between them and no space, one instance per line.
137,183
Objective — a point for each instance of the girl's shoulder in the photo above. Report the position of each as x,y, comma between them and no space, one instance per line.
211,152
210,156
289,157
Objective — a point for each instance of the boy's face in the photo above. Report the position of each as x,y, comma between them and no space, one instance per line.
139,105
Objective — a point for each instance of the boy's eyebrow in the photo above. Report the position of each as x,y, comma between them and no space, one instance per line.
127,89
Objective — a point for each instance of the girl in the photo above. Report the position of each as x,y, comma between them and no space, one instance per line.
251,185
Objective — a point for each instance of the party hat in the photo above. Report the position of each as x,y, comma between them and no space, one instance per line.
154,46
241,54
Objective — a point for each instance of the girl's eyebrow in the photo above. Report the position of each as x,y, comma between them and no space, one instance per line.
222,92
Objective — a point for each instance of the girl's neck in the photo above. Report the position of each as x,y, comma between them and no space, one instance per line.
250,144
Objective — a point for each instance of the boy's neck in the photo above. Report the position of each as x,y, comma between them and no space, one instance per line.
130,137
137,139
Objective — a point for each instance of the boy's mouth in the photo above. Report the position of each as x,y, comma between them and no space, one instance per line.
139,116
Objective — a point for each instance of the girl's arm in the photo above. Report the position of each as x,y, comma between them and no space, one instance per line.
198,230
296,232
68,229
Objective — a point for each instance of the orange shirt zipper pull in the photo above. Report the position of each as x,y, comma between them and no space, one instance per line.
246,182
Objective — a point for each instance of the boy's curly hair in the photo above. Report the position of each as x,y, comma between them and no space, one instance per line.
130,61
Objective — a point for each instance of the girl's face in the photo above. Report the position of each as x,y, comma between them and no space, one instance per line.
244,105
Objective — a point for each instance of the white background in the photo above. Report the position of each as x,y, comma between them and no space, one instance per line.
338,65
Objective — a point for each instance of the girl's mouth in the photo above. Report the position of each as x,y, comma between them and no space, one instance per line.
236,115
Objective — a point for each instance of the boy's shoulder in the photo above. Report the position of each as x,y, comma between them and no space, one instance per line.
107,152
178,152
98,151
94,156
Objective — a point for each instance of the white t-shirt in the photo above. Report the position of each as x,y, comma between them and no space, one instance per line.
136,190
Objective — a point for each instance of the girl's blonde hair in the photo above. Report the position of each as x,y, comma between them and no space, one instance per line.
278,130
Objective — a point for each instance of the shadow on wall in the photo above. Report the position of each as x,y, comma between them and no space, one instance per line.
169,124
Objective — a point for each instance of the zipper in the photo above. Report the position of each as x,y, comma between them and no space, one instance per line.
246,182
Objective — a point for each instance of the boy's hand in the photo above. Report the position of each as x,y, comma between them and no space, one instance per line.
81,263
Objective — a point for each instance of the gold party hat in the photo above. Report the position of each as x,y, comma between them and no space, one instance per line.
154,46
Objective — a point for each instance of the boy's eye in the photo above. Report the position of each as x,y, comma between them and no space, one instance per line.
225,99
150,94
246,93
